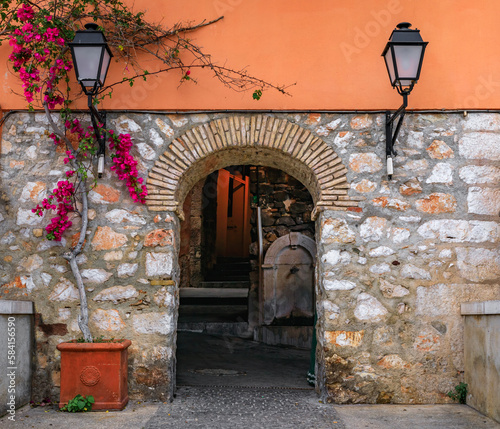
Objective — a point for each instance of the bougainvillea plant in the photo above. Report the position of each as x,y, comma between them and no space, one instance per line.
38,32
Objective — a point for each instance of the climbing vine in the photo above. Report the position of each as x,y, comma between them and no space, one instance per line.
38,32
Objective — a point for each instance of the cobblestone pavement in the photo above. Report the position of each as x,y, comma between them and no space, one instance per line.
239,407
255,408
198,407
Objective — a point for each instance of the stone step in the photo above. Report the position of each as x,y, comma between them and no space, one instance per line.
236,329
192,292
235,284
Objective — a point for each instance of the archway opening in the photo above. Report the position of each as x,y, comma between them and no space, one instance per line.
241,312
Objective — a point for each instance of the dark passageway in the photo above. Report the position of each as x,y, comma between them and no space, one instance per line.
230,361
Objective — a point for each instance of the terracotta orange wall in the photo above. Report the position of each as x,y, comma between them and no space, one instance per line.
329,48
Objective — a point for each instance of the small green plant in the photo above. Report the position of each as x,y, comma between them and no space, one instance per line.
460,393
79,404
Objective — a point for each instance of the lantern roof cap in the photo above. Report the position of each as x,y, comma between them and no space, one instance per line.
90,36
404,34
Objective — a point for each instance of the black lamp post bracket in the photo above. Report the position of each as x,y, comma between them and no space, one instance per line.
391,134
98,118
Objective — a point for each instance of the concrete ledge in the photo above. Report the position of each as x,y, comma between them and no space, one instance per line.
16,307
480,308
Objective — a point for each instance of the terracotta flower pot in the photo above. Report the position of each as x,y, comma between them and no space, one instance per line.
97,369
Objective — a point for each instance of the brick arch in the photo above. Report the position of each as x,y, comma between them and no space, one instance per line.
240,140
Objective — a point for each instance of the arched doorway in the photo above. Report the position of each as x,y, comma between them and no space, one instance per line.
250,140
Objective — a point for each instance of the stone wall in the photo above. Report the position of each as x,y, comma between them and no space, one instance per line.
286,206
396,258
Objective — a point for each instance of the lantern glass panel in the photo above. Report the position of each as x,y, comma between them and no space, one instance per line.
389,62
104,67
407,62
87,60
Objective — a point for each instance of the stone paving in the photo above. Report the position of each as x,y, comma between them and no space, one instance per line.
223,407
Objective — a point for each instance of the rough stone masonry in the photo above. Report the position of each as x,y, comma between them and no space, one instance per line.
396,258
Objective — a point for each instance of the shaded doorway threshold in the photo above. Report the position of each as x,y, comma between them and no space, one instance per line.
210,360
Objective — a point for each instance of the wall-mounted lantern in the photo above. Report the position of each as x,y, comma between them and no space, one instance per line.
403,56
91,57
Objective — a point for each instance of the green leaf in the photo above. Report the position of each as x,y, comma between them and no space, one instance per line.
257,94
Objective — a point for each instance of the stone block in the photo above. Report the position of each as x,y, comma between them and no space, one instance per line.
34,192
373,229
364,186
361,122
484,201
165,129
381,251
116,294
106,239
103,194
27,217
115,255
440,150
107,320
411,187
369,309
32,263
159,264
390,290
482,122
155,138
392,362
410,271
334,257
145,151
437,203
343,139
391,203
457,231
324,130
441,173
450,296
331,310
480,174
153,323
178,121
127,270
365,162
380,268
415,139
126,125
479,145
336,231
427,341
313,119
478,264
164,298
125,217
416,165
400,235
338,284
64,290
95,276
344,338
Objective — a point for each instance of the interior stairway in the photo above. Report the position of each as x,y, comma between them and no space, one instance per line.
220,305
